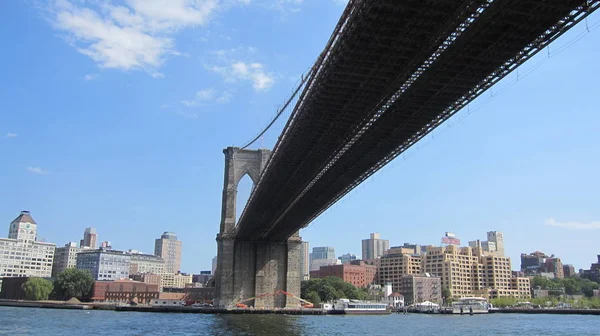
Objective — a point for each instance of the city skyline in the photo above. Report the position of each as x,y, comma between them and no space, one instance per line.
105,142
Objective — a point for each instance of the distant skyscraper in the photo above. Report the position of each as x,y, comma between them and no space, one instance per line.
344,258
89,238
498,239
374,247
305,261
169,248
321,256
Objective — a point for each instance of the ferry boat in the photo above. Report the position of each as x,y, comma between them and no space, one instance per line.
471,305
346,306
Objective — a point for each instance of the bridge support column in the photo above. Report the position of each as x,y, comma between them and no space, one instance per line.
250,269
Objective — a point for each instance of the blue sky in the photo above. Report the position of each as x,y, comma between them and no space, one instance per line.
115,114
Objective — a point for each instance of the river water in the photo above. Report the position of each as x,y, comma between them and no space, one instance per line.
34,321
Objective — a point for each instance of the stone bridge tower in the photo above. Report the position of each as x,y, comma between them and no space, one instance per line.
246,269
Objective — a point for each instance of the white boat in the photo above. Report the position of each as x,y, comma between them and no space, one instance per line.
361,307
471,305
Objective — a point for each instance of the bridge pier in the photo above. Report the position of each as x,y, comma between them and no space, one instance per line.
249,269
246,269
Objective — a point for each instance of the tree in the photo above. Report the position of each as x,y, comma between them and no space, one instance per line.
332,288
73,283
37,289
313,297
446,294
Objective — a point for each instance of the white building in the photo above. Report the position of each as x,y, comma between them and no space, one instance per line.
21,255
497,238
316,264
105,264
66,257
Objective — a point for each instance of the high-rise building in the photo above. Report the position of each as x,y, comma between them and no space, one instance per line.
21,255
467,271
65,257
497,238
105,264
305,261
374,247
89,238
145,263
348,257
568,270
169,248
392,267
322,256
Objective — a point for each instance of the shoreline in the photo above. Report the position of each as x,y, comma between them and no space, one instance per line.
298,311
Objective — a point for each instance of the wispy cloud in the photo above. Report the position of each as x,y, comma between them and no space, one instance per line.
206,96
90,77
10,135
253,72
573,225
133,34
36,170
186,114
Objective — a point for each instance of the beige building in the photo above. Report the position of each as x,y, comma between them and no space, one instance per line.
467,271
169,280
66,257
374,247
21,255
169,248
146,263
392,267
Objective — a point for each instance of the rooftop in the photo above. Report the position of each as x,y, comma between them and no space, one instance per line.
24,217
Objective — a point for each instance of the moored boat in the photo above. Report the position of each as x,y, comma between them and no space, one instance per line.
356,307
471,305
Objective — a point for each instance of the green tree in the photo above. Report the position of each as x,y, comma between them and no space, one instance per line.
332,288
37,289
73,283
313,297
446,294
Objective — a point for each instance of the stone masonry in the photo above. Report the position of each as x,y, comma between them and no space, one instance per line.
246,269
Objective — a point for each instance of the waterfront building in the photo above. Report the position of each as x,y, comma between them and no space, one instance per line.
124,291
105,264
374,247
421,288
169,248
344,258
305,261
467,271
21,255
203,278
66,257
392,267
179,280
355,272
90,237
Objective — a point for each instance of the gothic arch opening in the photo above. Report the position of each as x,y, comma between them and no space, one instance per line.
244,189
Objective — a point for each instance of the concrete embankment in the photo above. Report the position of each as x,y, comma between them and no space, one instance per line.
44,304
546,311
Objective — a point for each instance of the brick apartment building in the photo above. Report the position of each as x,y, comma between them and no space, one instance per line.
124,291
355,272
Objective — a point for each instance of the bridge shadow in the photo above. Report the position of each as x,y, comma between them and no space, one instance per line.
257,325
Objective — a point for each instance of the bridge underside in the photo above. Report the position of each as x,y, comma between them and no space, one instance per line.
391,73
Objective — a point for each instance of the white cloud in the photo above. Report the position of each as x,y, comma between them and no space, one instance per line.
90,77
206,94
253,72
225,97
36,170
10,135
573,225
136,34
189,103
164,106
